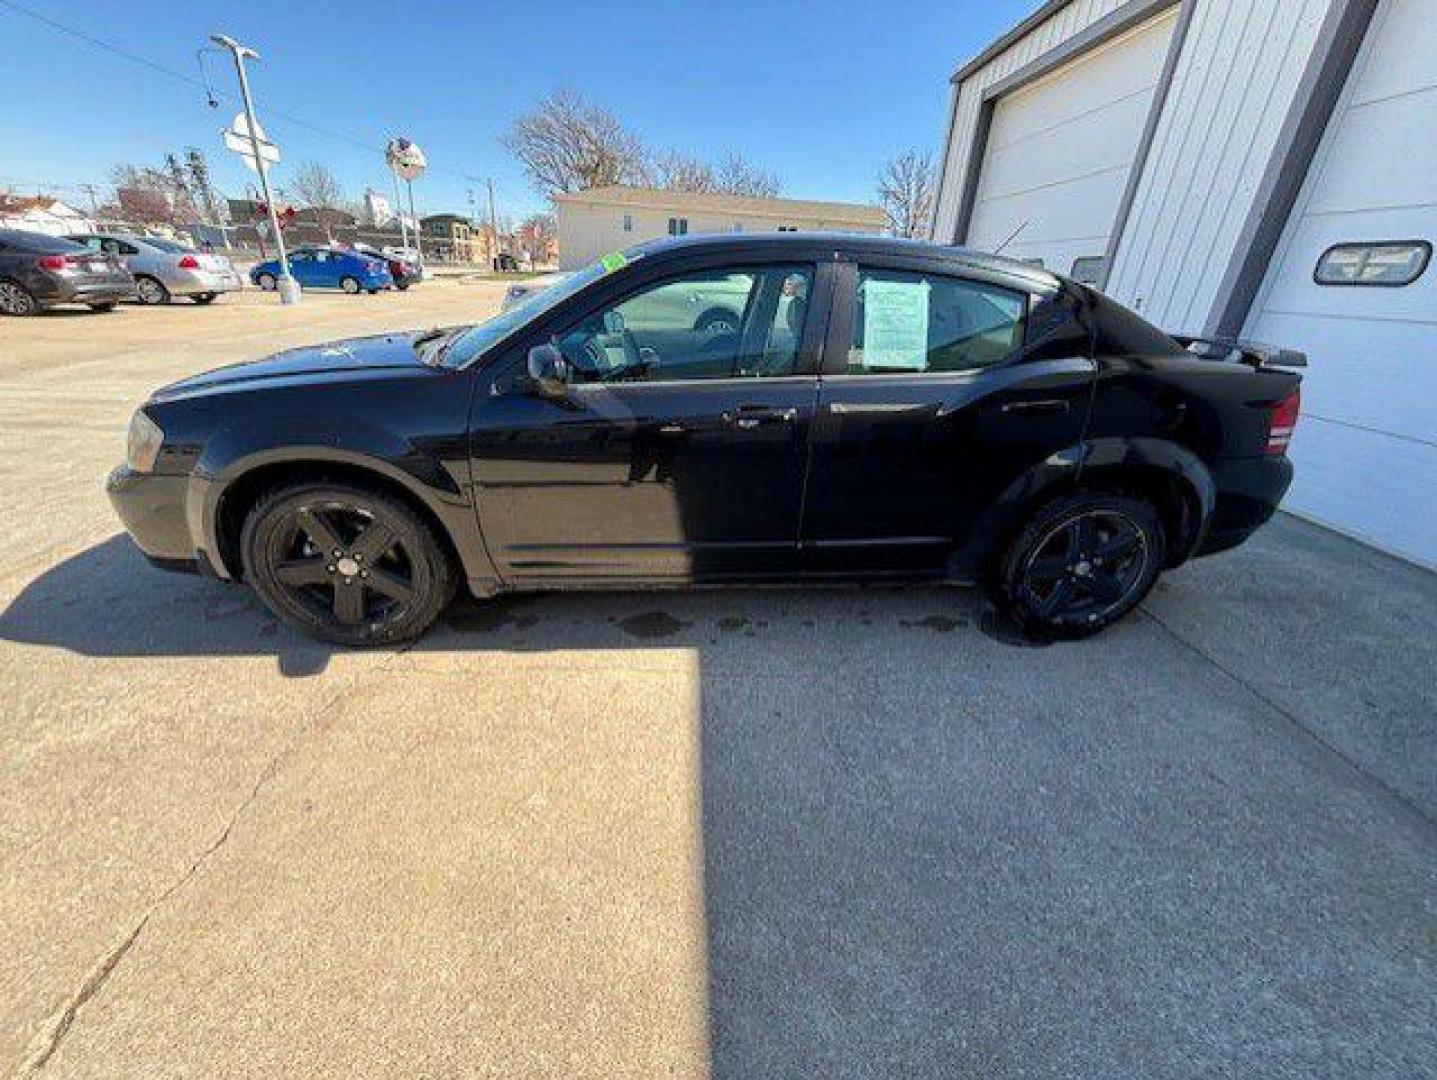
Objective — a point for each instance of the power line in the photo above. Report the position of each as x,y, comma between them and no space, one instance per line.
162,69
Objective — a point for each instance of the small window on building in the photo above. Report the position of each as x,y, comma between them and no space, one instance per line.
628,223
1389,263
678,226
788,228
1088,269
738,226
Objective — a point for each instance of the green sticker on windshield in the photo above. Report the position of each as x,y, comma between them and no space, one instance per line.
613,261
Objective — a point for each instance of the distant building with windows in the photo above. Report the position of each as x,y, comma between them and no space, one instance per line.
600,220
450,237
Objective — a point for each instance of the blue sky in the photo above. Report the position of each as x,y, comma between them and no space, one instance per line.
821,93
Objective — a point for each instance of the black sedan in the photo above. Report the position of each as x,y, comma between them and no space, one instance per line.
38,271
881,409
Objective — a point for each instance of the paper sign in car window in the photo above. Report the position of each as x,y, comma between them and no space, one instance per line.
895,325
614,260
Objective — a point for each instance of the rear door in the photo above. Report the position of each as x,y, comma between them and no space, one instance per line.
940,389
679,450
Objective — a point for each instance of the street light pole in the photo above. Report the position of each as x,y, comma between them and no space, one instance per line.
289,292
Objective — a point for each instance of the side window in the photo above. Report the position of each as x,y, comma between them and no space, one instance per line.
121,248
628,223
678,226
1392,264
713,324
909,322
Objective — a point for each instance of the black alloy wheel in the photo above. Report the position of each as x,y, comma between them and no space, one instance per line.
15,299
1084,562
346,564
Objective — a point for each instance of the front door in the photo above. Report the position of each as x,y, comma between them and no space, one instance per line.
679,449
939,392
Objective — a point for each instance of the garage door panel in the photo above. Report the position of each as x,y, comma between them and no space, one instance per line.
1367,484
1126,66
1295,292
1370,374
1071,210
1102,140
1372,170
1406,40
1059,150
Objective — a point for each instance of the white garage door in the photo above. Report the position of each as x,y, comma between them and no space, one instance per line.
1059,151
1366,446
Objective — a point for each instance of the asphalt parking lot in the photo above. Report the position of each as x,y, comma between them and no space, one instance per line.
738,834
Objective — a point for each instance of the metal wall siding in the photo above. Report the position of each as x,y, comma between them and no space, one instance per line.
1233,89
968,98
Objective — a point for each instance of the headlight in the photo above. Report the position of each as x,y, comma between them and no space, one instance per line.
143,442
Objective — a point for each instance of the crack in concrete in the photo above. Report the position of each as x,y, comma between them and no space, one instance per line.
1405,801
49,1041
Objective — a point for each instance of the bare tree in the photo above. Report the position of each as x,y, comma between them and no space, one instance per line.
315,186
566,144
736,175
201,187
906,192
680,172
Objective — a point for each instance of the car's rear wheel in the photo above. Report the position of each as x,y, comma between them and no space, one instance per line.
346,564
15,299
1081,564
265,282
204,297
350,285
151,290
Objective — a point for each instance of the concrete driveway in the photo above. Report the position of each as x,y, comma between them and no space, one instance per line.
746,834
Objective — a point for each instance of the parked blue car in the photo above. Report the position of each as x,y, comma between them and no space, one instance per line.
327,268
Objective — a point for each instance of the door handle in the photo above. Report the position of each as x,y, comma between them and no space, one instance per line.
748,417
1047,407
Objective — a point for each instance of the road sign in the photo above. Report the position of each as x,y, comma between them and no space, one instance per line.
237,138
405,158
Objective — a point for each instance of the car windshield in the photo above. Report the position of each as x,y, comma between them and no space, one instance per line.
483,336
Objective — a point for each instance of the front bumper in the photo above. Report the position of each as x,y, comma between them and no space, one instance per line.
152,508
1248,493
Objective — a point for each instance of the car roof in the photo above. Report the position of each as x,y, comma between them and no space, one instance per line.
845,243
29,236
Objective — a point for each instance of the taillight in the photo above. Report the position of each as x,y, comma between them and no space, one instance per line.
52,262
1281,421
189,262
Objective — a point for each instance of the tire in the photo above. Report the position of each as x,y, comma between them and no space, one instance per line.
350,285
17,300
288,544
401,285
1081,564
151,290
104,308
204,297
266,282
717,321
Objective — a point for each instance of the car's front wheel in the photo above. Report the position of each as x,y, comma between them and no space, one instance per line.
1081,564
346,564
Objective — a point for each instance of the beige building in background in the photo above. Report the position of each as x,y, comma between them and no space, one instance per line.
592,223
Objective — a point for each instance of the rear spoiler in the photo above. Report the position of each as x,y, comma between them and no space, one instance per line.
1253,353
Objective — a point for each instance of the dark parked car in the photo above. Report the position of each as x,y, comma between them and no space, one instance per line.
884,409
404,272
39,271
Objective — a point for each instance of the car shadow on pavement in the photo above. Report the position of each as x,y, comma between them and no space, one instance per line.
108,601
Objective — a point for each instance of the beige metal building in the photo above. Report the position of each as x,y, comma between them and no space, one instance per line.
592,223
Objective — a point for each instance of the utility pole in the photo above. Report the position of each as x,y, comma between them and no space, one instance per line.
399,213
493,222
289,292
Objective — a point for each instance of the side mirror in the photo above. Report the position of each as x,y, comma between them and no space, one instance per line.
548,371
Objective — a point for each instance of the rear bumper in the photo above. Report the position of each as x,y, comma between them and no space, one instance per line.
64,290
194,282
1248,493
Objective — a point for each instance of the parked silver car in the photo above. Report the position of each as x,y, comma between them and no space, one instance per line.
164,269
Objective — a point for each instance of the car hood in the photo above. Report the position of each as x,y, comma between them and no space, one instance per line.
334,360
